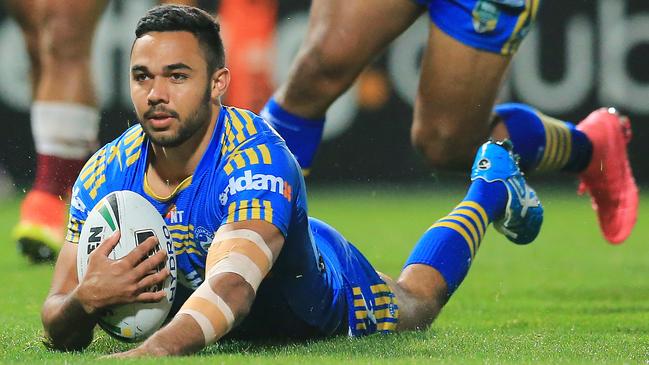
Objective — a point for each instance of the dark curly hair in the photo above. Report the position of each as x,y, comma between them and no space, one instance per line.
174,18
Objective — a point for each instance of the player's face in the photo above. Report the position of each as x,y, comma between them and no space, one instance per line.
170,87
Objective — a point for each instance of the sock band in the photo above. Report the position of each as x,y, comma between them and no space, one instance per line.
302,135
542,142
558,144
64,130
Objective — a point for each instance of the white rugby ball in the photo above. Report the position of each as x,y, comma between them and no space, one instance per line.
137,219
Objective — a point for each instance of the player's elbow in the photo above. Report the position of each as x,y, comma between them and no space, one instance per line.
238,293
62,335
65,343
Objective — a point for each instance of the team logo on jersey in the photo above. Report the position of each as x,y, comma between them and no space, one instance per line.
203,237
249,181
485,16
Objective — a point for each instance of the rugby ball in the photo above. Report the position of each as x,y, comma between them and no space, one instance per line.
137,219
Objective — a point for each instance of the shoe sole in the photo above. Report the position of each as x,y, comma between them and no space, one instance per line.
32,242
36,251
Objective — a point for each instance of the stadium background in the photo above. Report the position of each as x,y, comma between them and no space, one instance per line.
582,54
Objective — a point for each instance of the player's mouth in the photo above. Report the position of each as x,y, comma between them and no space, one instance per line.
160,120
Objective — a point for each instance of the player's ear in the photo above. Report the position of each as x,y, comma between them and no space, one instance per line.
220,82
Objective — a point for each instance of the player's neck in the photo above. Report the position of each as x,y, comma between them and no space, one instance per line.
169,166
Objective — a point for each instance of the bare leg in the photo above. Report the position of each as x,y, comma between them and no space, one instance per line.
343,37
457,90
64,117
421,293
28,22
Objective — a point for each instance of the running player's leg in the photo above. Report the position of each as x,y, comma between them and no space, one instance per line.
442,257
23,12
457,89
469,47
595,149
64,115
342,38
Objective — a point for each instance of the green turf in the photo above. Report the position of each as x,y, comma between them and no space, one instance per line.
567,298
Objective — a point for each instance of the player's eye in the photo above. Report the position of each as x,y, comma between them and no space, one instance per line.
178,76
140,77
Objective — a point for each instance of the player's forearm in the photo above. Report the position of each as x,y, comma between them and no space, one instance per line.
68,327
184,335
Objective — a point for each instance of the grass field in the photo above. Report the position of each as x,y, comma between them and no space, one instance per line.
567,298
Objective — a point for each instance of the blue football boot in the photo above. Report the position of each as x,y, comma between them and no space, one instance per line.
523,217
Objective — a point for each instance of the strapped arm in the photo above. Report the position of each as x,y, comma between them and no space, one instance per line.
241,255
243,252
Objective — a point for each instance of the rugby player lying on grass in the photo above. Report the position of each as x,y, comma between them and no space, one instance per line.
251,261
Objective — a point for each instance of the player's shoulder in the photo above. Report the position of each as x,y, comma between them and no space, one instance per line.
112,160
249,141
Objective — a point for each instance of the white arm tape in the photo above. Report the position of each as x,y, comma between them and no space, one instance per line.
205,291
203,322
249,235
238,264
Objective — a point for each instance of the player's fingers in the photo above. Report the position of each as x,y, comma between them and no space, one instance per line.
148,297
150,264
141,251
153,279
108,244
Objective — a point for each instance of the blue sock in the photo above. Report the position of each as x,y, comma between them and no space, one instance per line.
544,143
451,243
302,135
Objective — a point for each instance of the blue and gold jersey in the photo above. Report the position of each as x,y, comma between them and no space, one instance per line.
246,173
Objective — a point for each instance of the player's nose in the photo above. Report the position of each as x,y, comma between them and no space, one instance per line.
159,93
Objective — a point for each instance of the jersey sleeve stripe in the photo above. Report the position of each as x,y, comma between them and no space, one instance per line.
268,211
239,161
265,154
250,125
255,209
238,126
91,164
131,160
136,144
231,209
252,156
243,210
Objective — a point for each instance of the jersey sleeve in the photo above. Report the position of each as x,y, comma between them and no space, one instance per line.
257,183
81,202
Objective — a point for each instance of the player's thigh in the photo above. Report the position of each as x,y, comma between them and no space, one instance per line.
457,87
24,12
69,25
344,35
469,47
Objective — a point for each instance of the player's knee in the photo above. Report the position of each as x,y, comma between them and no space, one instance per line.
325,67
445,143
435,142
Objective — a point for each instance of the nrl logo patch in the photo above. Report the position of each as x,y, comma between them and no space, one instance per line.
484,164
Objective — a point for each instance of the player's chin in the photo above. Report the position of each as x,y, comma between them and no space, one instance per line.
165,138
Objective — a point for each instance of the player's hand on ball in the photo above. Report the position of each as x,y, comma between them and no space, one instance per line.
108,282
